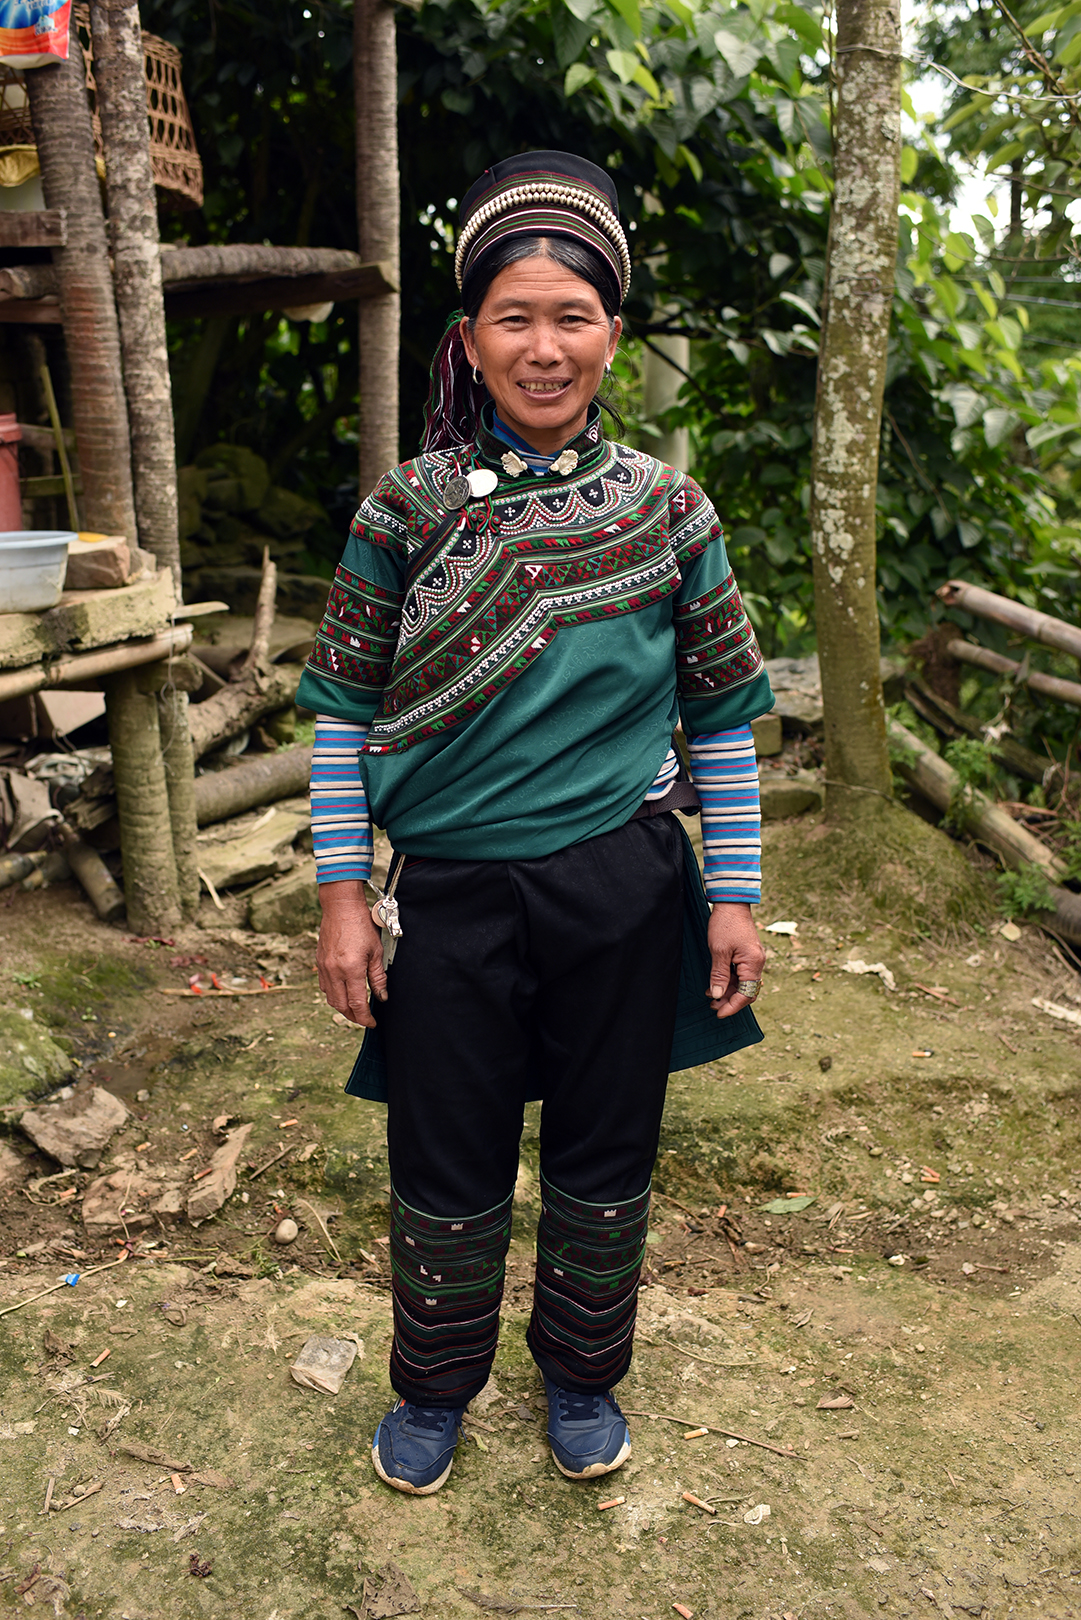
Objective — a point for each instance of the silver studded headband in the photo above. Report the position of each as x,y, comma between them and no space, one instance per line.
535,206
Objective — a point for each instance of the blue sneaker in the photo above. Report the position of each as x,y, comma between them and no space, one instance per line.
588,1434
413,1449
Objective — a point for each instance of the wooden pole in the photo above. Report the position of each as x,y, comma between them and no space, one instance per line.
120,76
1052,686
1014,615
65,143
375,87
857,304
142,800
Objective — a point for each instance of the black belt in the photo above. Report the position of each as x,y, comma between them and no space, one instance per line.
680,796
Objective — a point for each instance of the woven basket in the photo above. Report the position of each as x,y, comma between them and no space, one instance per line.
174,160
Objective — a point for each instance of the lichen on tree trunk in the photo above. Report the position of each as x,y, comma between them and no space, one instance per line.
848,412
375,87
65,144
142,802
120,75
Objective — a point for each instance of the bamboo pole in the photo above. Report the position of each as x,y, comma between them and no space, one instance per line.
1014,615
85,669
1052,686
992,826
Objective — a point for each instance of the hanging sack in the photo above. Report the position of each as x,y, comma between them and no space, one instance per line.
34,32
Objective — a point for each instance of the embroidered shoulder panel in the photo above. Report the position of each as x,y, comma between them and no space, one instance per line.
356,640
716,647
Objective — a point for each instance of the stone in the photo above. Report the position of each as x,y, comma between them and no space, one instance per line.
127,1199
13,1168
85,619
261,850
95,565
30,1060
76,1129
289,905
784,796
323,1364
768,736
208,1195
286,1231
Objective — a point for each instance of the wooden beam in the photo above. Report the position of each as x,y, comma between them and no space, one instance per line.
229,260
30,311
85,670
40,227
275,292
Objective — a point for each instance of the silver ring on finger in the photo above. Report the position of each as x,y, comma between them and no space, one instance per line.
751,988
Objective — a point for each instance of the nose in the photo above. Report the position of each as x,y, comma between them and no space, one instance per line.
545,348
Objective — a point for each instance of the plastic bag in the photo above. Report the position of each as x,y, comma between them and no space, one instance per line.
34,32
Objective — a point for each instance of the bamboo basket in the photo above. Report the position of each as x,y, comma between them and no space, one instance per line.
174,159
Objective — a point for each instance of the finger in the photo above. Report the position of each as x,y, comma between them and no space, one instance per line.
377,973
733,1002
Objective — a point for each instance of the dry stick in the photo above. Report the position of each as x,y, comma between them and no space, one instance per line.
206,995
322,1228
91,1490
61,447
692,1355
210,889
655,1417
731,1434
92,1271
49,1489
263,622
274,1160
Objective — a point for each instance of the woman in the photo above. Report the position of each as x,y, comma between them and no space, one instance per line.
521,616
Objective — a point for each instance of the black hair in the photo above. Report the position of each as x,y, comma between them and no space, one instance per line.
454,399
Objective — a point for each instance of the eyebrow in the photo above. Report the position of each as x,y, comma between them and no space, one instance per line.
507,304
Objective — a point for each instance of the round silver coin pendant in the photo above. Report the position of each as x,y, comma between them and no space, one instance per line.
456,493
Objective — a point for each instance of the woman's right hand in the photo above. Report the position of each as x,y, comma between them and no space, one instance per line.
350,953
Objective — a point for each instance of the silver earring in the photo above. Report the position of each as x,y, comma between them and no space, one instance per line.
608,368
478,376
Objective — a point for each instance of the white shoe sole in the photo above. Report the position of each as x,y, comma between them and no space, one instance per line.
595,1470
403,1484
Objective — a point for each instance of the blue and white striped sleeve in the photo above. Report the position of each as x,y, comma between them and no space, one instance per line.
725,775
341,821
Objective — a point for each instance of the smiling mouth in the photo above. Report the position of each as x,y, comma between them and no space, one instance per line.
539,389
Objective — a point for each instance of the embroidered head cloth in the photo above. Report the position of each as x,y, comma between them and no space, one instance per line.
543,194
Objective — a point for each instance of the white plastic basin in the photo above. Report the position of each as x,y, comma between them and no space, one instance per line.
32,567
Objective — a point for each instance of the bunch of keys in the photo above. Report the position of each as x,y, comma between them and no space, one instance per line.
385,915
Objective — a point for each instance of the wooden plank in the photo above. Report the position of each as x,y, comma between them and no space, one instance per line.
275,292
41,227
30,311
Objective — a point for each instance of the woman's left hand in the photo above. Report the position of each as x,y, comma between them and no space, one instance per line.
737,955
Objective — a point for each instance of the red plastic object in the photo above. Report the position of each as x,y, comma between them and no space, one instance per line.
11,506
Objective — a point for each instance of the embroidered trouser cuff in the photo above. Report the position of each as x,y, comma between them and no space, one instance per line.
589,1257
448,1286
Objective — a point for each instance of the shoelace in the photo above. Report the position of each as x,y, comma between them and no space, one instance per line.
428,1417
575,1408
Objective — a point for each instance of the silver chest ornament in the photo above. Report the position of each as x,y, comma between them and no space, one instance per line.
471,486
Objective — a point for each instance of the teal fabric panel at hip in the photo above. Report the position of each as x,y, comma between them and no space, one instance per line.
700,1036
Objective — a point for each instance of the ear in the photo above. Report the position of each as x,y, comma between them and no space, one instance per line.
467,341
613,342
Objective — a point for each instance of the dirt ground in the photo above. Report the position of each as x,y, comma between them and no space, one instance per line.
930,1295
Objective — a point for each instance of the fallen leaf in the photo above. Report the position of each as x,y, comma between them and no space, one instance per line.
787,1206
836,1403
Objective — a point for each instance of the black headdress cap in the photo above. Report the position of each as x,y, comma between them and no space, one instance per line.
543,194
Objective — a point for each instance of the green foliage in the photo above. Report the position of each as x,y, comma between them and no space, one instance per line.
975,767
1025,892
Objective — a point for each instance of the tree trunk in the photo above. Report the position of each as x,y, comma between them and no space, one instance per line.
176,751
120,75
375,87
65,143
142,801
848,410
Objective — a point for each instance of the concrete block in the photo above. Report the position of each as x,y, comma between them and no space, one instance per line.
98,564
84,619
767,733
288,906
784,796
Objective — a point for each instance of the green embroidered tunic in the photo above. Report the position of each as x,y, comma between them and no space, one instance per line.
522,685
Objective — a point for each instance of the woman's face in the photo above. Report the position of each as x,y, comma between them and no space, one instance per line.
541,341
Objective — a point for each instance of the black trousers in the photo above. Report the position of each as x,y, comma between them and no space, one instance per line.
554,978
